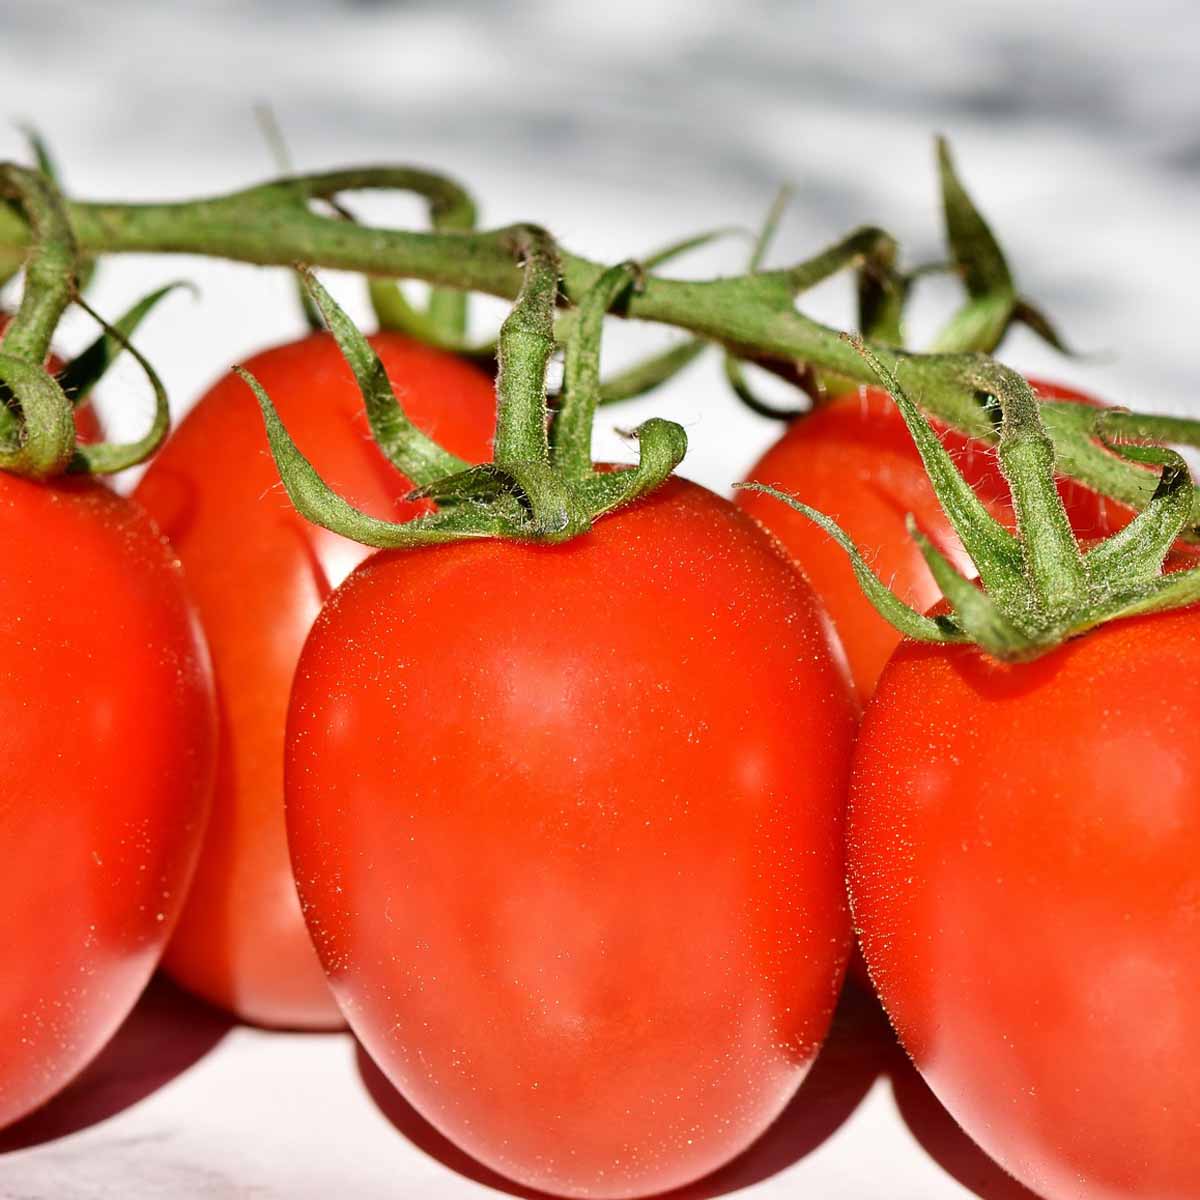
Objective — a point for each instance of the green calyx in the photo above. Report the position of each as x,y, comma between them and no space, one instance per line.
37,426
993,304
1037,586
541,485
37,429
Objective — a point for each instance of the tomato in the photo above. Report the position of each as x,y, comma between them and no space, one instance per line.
107,732
259,574
566,823
87,425
854,460
1024,860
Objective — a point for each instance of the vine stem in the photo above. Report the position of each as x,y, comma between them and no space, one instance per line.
753,315
41,443
50,273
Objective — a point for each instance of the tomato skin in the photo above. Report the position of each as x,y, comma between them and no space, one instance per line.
107,747
580,894
259,574
1024,861
855,461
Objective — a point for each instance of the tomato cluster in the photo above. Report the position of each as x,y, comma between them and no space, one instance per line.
561,831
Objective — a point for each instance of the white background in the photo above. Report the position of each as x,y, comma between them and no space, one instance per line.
620,126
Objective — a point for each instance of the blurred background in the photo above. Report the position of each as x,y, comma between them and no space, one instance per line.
623,125
620,125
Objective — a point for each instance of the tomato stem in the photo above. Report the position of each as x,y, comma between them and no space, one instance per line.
527,492
39,428
526,346
444,321
103,458
1026,453
40,440
752,315
79,376
1038,588
734,374
407,448
581,373
992,295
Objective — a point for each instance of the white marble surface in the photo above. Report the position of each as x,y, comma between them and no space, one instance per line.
618,125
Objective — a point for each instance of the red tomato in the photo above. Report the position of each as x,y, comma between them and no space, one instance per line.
566,824
87,425
107,733
854,460
1025,874
259,574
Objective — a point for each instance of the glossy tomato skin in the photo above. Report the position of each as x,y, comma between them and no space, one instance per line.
1024,855
854,460
566,824
259,574
107,748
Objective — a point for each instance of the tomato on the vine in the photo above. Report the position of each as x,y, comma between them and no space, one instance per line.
854,460
566,823
1024,861
107,744
259,574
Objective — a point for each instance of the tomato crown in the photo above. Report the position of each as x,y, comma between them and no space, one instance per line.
38,437
1038,586
541,484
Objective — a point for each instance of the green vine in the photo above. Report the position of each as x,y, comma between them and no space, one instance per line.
754,316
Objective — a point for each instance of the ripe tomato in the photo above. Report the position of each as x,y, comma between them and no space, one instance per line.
1025,875
259,574
107,733
854,460
567,829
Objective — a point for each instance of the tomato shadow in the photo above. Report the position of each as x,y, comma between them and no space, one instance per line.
855,1054
944,1141
167,1032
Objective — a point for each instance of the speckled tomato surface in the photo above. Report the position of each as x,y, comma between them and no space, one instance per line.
1025,874
567,829
107,735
